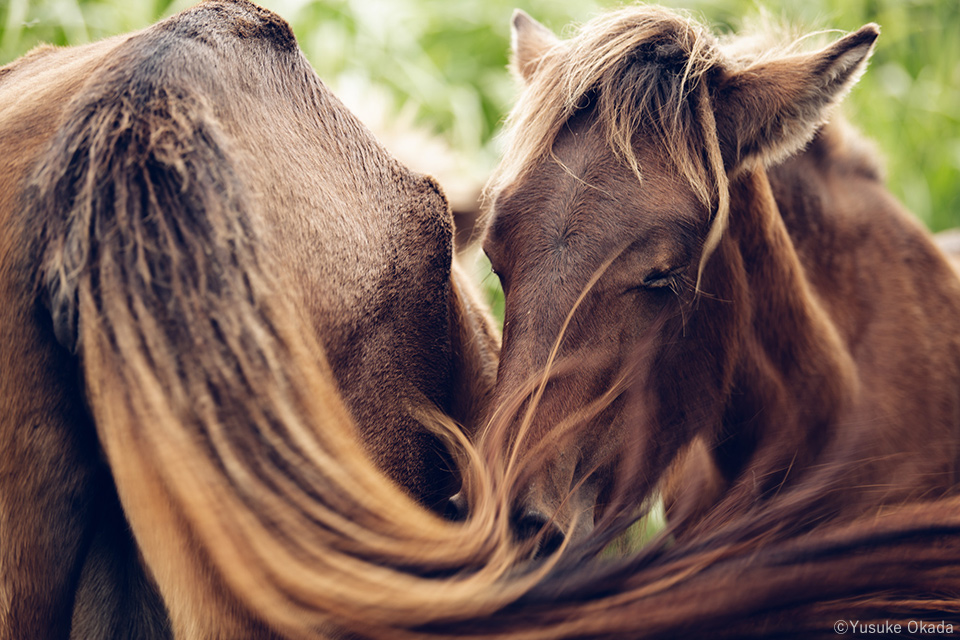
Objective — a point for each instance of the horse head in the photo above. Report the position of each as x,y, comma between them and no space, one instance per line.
625,296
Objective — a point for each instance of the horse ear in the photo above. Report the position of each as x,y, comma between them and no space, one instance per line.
771,109
529,40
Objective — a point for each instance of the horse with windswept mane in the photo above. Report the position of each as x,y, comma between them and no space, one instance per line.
211,276
187,215
674,220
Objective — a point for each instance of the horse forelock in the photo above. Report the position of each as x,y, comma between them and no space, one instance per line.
641,69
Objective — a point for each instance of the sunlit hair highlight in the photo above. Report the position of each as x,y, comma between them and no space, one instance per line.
642,68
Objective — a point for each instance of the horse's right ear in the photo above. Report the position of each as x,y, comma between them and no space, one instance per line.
771,109
529,40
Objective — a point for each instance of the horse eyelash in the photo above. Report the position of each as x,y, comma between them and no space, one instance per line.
658,283
676,285
660,280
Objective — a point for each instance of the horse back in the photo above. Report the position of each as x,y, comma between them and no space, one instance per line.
894,298
359,245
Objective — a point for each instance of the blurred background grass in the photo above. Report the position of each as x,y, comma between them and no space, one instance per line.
440,66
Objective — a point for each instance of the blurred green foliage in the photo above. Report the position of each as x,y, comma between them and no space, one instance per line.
444,61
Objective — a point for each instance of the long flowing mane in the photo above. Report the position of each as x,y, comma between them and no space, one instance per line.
234,453
168,255
237,460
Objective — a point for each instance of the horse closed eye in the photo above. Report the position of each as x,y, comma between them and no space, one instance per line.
656,280
659,279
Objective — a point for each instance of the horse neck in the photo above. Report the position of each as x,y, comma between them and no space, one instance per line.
793,375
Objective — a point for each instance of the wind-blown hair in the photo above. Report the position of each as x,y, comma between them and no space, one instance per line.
246,443
234,454
236,459
642,68
147,245
646,68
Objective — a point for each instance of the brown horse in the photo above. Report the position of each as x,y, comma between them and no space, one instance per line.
211,273
186,211
673,221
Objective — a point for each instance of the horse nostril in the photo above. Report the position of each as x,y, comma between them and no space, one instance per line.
456,508
533,525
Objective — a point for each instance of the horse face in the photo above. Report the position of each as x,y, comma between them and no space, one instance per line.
614,191
598,262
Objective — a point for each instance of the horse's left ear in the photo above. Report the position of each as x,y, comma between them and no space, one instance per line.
529,40
771,109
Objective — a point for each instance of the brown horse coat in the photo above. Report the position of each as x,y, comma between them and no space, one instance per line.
774,315
188,209
178,164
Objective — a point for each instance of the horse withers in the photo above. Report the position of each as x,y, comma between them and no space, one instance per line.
200,244
709,291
